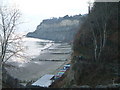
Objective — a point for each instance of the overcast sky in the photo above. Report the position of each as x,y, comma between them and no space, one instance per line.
34,11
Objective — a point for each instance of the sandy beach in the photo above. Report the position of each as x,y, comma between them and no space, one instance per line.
34,69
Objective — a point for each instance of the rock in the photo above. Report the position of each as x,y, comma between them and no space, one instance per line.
84,86
74,86
60,29
108,86
114,86
101,86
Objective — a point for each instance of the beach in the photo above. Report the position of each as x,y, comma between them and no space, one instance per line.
34,70
49,61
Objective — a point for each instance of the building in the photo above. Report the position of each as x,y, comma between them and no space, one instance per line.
44,81
67,66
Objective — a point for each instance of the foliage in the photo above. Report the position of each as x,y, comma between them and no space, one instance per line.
98,35
97,42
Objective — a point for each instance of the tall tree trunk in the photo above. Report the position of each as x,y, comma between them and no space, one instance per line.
103,41
95,45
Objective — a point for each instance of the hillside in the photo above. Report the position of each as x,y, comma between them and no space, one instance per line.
97,43
95,55
58,29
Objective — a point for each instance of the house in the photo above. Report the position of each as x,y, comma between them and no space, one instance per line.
59,74
67,66
62,71
44,81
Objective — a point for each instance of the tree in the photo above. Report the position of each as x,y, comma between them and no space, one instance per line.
9,42
99,26
95,38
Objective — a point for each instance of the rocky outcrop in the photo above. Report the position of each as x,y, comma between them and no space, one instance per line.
58,29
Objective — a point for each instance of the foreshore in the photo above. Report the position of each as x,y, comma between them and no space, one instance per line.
46,63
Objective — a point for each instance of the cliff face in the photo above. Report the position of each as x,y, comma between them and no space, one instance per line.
58,29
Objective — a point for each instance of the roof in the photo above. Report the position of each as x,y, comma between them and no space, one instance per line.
44,81
67,65
62,70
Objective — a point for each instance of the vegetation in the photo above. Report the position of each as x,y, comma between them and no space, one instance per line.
62,29
9,42
95,48
97,42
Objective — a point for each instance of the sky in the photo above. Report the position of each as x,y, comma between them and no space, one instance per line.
34,11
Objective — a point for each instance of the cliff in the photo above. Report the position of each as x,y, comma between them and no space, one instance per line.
60,29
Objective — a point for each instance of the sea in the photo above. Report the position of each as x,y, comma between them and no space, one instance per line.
31,48
39,57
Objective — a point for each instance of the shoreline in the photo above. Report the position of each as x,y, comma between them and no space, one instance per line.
35,69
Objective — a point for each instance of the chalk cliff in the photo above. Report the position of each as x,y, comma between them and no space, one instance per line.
60,29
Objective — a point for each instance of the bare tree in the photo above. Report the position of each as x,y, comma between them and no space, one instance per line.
99,29
89,6
9,42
